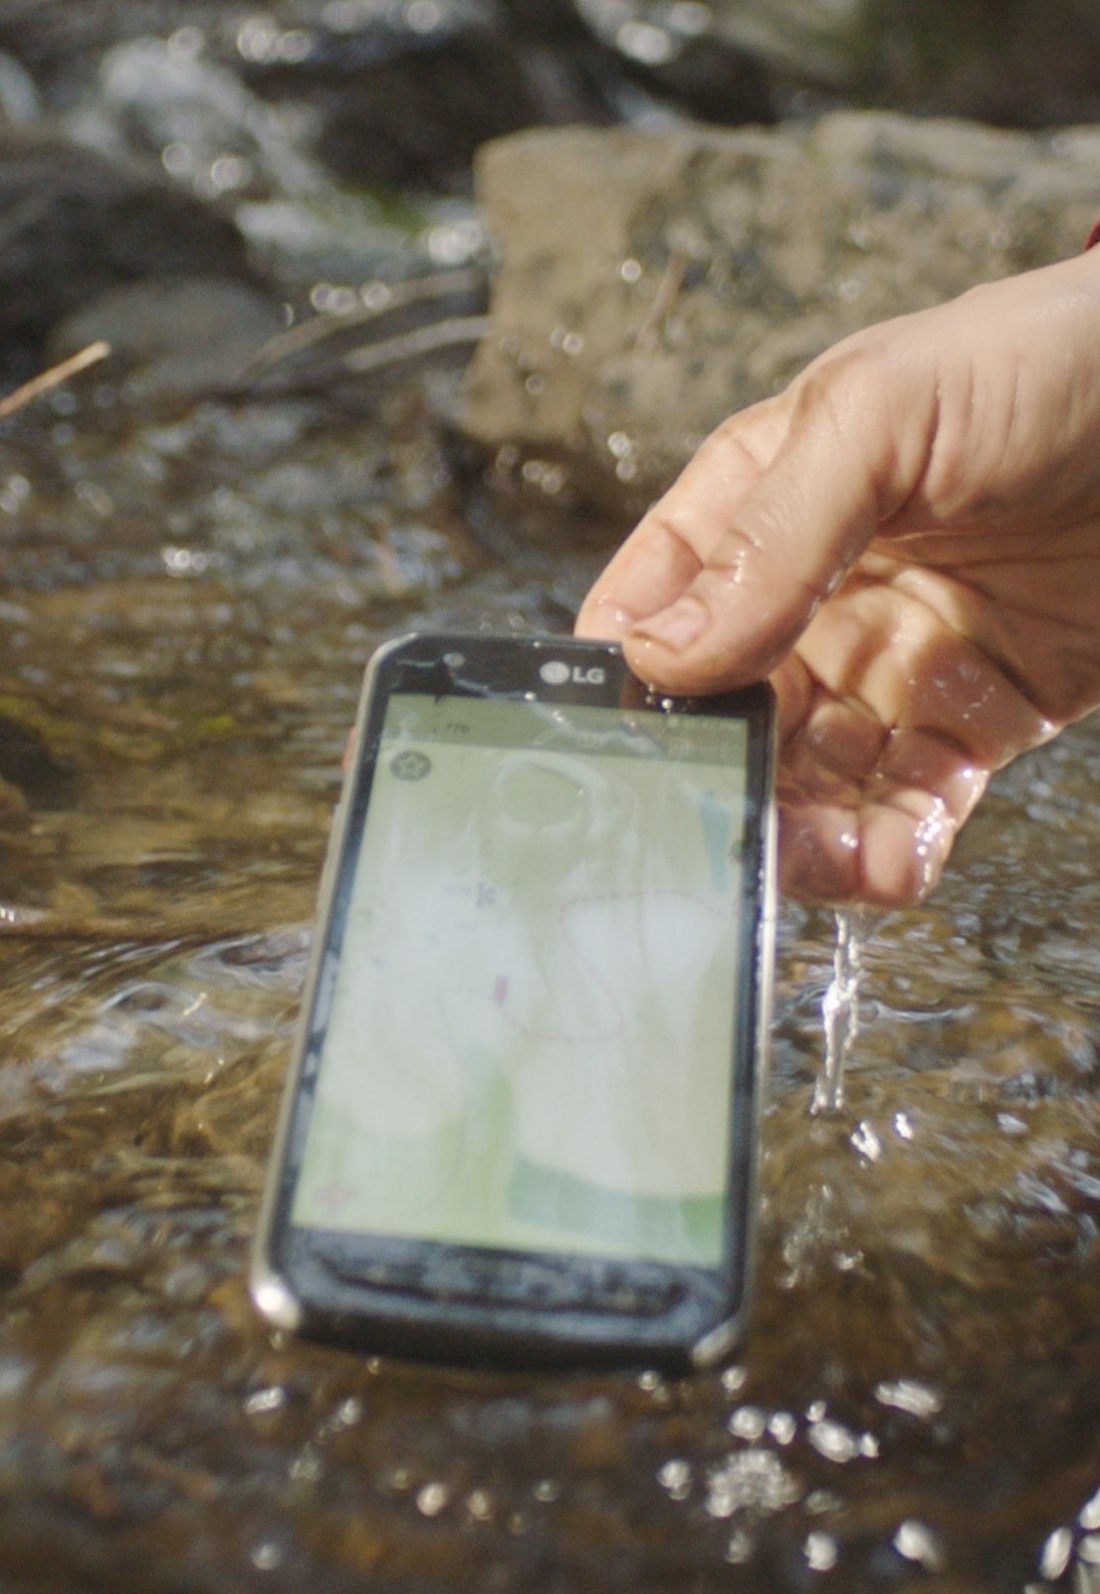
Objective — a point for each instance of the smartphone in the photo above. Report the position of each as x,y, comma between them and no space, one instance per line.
520,1122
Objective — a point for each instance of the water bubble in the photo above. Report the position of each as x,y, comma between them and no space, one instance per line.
188,42
178,159
230,172
295,46
916,1542
833,1441
14,494
432,1498
265,1400
647,43
626,470
620,445
690,18
423,16
739,1548
1056,1553
903,1126
631,271
1089,1515
747,1422
267,1556
906,1394
733,1379
535,385
675,1478
479,1503
782,1427
756,1479
572,343
547,1490
820,1551
866,1141
258,40
184,561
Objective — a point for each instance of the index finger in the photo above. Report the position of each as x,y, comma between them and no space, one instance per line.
673,541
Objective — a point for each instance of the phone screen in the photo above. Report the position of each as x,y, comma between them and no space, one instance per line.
530,1023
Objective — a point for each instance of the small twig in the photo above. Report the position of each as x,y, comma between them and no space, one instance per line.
330,323
53,377
668,291
423,340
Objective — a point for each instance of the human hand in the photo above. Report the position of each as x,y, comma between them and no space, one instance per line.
907,540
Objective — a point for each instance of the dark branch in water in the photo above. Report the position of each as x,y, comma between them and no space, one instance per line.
330,324
53,377
424,340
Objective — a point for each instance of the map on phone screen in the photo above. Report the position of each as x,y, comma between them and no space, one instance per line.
530,1036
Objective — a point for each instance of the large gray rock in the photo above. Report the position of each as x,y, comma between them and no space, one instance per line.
652,283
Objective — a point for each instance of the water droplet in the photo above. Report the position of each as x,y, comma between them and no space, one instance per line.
1089,1516
840,1015
833,1441
820,1551
747,1422
267,1556
1056,1553
916,1542
620,445
755,1479
479,1503
866,1141
906,1394
675,1478
646,43
265,1400
782,1427
423,16
739,1548
432,1498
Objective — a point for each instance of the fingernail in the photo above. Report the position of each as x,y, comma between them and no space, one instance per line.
678,626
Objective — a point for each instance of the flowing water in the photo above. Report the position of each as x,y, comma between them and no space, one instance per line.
189,601
190,590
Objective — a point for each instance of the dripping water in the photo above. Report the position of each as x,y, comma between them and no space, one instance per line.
840,1011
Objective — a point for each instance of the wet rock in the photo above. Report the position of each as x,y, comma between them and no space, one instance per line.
76,223
652,283
19,101
197,118
402,93
175,336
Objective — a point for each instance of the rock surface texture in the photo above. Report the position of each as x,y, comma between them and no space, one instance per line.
650,284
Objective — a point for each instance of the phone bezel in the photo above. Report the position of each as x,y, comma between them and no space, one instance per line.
361,1290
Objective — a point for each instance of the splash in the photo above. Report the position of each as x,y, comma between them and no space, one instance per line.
840,1012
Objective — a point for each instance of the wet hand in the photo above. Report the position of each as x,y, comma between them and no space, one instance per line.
907,541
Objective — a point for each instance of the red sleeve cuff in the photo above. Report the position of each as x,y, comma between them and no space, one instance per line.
1093,237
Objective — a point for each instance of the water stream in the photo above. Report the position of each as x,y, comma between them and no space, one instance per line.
917,1396
191,587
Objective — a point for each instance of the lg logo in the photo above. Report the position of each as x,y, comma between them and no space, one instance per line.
555,672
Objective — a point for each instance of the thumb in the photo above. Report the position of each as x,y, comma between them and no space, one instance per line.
837,475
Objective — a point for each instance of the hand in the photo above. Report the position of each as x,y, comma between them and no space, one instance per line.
907,540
